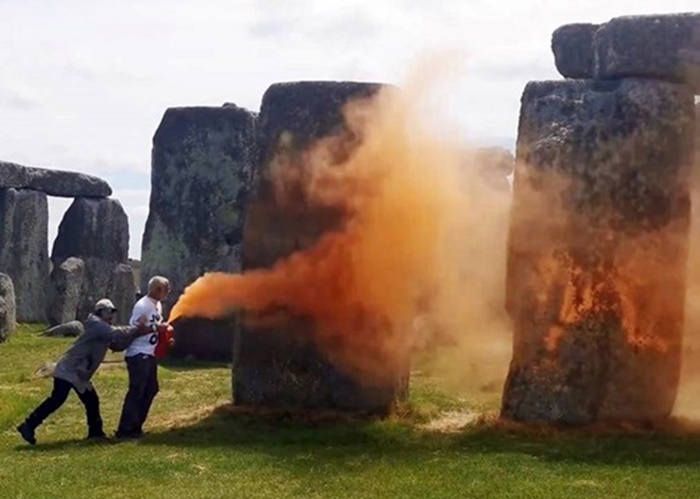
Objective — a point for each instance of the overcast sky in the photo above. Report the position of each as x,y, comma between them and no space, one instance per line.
84,83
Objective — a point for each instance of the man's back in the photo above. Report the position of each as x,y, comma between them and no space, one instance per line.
81,360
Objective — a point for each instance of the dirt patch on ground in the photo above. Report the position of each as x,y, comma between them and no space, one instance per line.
451,422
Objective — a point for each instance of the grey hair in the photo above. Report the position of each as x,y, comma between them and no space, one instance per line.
157,282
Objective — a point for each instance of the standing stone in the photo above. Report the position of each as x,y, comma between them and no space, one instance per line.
597,250
204,339
572,45
282,365
201,171
96,231
65,292
24,257
8,318
122,292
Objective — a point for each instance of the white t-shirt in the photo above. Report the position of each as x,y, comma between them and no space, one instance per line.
153,310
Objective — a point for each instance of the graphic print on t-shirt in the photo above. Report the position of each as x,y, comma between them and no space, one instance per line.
152,310
155,319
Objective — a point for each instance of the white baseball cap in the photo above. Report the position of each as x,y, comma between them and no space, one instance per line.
103,304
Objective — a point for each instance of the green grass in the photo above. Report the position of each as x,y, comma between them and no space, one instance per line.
196,450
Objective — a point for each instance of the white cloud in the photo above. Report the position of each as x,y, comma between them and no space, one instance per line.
17,98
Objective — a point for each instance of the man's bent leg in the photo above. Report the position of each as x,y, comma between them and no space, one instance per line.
58,396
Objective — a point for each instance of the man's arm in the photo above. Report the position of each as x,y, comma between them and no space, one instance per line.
121,337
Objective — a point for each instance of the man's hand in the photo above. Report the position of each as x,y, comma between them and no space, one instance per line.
144,330
164,328
167,331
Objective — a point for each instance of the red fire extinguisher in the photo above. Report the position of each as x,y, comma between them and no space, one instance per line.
165,340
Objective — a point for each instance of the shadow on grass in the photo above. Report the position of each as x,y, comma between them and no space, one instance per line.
282,435
335,439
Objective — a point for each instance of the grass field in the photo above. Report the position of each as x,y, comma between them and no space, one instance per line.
197,447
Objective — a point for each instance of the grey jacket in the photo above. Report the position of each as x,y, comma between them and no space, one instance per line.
86,354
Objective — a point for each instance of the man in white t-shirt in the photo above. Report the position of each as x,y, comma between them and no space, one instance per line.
141,361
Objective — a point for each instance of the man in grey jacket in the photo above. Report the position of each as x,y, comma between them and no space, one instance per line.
77,366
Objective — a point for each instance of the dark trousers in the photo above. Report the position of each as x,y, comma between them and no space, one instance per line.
59,394
143,387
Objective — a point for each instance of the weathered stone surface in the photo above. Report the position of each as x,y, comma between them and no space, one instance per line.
123,291
278,370
70,329
96,231
572,45
204,339
24,250
282,365
97,228
8,319
52,182
65,291
201,172
597,250
661,46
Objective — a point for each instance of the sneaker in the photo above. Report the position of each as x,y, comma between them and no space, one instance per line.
27,433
